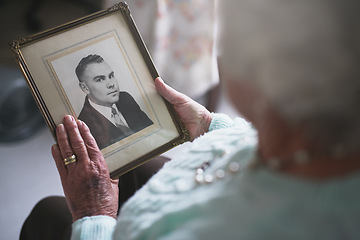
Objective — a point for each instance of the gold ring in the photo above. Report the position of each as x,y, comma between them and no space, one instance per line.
70,159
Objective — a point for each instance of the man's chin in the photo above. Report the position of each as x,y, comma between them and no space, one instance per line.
115,98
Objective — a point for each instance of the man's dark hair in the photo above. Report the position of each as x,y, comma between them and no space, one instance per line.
92,58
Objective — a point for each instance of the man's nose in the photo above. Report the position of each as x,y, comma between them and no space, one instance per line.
110,83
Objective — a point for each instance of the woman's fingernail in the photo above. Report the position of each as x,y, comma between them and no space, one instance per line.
79,123
60,128
83,124
69,118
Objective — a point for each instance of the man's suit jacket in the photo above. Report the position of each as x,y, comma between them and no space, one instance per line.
107,133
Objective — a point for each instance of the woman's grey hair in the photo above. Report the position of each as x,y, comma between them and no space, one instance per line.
304,55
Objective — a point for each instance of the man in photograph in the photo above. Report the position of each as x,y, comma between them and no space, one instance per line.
111,114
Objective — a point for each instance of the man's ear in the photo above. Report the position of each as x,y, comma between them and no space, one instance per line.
84,88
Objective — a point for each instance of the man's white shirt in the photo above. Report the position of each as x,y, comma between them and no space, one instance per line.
106,112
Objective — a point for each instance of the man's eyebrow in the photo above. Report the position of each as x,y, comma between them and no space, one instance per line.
99,76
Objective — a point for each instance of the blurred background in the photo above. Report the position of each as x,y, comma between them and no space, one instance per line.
27,171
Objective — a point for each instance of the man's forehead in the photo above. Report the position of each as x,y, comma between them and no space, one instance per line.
94,69
97,66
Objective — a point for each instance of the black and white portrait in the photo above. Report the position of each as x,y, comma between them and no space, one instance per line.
99,93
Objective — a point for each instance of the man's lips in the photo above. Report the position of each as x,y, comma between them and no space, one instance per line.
113,92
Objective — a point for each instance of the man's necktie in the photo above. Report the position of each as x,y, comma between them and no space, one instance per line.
119,123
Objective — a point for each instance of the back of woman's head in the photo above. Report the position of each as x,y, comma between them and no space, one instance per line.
304,56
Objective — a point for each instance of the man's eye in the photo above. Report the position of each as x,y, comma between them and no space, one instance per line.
111,75
99,79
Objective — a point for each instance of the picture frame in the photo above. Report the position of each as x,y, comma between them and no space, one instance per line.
65,67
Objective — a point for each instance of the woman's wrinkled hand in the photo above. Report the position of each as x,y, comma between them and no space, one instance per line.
88,188
195,117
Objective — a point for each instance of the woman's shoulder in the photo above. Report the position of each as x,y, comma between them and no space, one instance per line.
174,194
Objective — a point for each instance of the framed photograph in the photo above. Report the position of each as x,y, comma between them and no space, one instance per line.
98,69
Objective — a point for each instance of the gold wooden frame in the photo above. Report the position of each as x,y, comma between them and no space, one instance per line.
40,57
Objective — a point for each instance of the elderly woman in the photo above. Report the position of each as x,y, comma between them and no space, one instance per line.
292,69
